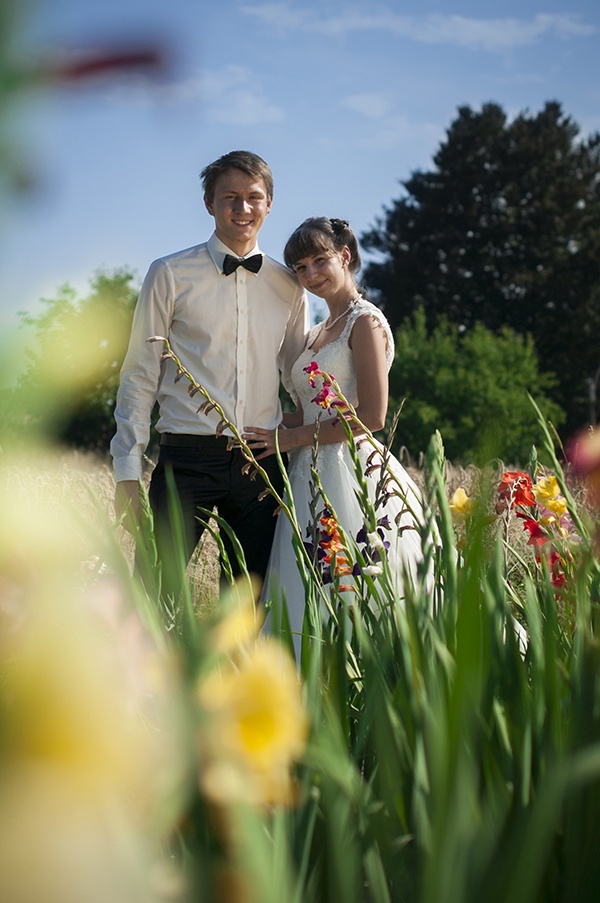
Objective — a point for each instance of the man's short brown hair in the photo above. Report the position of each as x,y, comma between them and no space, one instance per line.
247,162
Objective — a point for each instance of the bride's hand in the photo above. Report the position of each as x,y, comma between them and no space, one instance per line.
260,441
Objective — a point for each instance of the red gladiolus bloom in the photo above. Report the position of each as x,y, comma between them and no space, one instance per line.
537,537
333,547
558,575
516,488
104,61
335,554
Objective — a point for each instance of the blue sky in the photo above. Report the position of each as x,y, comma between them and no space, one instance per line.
344,100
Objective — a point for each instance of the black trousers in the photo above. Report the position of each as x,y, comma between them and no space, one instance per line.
210,477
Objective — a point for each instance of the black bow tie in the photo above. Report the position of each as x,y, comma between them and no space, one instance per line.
230,264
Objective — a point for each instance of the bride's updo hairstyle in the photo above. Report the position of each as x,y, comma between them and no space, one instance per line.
320,235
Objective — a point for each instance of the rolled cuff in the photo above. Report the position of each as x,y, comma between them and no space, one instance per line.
127,468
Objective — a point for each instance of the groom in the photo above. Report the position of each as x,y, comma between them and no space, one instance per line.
236,319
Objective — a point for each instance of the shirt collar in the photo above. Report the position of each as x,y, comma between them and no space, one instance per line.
218,250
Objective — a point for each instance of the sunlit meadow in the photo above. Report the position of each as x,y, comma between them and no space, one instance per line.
444,750
441,749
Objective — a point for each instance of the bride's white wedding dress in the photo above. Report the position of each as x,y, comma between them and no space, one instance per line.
336,472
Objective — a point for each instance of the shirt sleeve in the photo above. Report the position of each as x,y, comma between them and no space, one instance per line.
141,372
294,340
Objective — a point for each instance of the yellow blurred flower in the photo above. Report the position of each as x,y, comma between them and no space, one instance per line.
461,506
547,493
256,729
88,764
242,621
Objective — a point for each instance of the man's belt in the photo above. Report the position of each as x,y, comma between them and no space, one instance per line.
192,440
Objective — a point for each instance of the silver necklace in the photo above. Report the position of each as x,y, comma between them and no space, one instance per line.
343,314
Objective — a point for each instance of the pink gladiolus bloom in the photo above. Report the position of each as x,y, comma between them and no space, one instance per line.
326,398
312,370
584,452
584,458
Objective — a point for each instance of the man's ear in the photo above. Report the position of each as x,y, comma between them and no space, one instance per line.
209,206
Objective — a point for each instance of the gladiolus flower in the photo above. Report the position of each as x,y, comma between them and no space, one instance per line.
258,727
557,507
102,62
331,552
330,524
557,573
547,494
461,506
326,398
372,570
584,452
516,489
313,370
332,547
537,537
240,627
584,458
376,542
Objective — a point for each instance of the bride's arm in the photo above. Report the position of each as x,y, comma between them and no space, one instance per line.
262,442
292,419
369,344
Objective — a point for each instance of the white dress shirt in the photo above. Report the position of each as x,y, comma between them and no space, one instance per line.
235,334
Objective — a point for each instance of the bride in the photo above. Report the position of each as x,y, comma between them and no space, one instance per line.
354,345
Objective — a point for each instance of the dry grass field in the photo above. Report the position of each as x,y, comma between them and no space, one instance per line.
87,482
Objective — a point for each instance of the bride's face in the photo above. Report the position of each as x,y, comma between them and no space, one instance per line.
326,274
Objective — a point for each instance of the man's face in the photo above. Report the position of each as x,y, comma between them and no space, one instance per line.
239,206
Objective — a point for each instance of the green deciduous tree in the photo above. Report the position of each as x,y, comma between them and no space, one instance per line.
472,386
505,231
69,383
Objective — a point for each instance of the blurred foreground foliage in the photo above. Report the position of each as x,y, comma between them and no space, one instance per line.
437,751
74,352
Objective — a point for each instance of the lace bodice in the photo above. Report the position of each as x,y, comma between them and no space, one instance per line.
335,358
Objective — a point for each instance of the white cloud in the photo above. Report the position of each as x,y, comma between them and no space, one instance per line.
280,17
368,103
234,94
494,34
415,140
139,91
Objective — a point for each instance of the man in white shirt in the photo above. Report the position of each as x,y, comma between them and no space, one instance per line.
236,319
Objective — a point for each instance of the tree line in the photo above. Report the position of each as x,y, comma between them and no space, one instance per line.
501,237
487,267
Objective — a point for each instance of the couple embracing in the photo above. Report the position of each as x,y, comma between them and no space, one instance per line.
238,321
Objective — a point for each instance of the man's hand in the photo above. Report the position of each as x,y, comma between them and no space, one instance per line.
127,503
